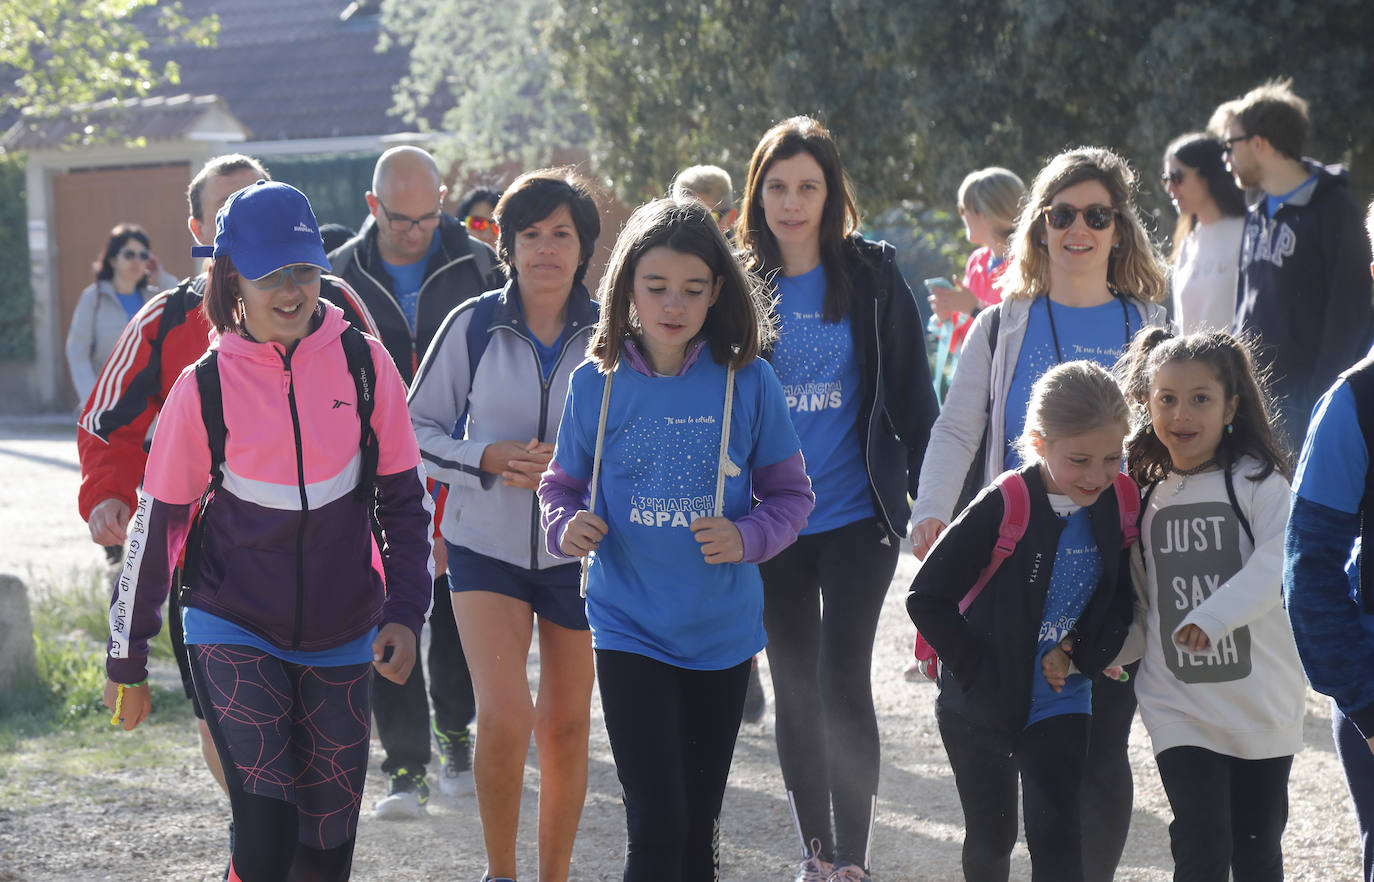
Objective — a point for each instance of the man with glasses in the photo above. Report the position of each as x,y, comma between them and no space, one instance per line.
166,335
1304,288
412,263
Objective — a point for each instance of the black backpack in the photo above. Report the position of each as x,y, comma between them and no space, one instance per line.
360,367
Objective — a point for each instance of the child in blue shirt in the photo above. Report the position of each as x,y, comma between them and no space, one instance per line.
1065,584
677,429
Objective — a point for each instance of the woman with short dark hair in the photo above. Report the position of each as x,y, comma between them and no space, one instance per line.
498,369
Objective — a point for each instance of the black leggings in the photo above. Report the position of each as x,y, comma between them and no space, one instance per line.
1049,757
672,732
1229,814
821,657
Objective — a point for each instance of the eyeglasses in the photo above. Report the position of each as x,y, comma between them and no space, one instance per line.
301,274
399,223
1174,177
130,254
481,224
1230,143
1097,217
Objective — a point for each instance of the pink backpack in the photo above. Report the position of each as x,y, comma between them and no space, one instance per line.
1015,517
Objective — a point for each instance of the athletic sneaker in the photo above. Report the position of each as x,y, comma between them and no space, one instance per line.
754,701
455,762
406,797
813,869
849,873
486,878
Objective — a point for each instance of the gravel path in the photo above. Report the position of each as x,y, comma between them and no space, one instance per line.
167,821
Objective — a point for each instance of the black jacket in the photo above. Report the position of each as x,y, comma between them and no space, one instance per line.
454,274
1305,291
897,405
988,655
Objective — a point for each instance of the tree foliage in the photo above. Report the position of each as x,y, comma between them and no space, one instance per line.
918,93
63,55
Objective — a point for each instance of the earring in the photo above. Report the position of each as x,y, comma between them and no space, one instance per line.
1116,244
1149,429
1042,240
1230,428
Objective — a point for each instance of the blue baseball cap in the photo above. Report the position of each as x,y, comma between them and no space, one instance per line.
264,227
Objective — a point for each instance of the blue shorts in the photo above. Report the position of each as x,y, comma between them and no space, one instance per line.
553,593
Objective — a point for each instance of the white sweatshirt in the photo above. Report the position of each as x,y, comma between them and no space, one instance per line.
1205,272
1245,696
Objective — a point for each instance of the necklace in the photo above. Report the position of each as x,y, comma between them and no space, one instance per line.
1185,474
1054,331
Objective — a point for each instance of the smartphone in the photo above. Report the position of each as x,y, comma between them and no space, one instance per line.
941,282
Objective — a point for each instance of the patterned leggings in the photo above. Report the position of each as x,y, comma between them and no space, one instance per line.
293,741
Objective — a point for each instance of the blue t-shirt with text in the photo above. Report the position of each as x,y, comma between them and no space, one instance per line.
649,590
820,377
406,280
1086,333
1077,570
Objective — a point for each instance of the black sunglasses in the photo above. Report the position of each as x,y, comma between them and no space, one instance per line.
130,254
1173,177
1062,216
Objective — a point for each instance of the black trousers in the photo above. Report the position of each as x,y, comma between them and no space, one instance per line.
1229,814
821,660
1358,763
402,711
672,732
1049,758
1108,790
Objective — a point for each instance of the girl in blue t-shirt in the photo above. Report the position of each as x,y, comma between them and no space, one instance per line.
1066,582
681,435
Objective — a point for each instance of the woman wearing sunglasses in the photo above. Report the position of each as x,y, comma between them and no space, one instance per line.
475,210
1211,219
1083,279
291,603
859,395
125,277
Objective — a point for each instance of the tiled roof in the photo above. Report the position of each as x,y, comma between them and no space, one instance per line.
292,69
154,119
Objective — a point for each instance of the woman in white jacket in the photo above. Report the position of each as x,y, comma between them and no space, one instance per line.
1083,280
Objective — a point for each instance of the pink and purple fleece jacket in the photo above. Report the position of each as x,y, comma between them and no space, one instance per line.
287,550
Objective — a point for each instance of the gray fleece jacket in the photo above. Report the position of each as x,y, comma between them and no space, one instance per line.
507,399
982,374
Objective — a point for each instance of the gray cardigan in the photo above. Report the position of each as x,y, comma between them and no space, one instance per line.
959,429
507,399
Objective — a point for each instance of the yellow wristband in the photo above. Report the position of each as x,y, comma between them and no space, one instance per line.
119,700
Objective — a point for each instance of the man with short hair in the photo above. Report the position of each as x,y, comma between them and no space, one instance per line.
1304,289
168,333
1328,589
710,185
412,263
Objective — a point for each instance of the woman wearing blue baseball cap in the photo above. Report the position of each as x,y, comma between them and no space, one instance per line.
298,424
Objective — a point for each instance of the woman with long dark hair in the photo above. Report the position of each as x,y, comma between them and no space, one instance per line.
1211,218
123,281
859,394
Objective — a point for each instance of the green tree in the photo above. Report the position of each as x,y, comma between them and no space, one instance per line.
918,93
63,55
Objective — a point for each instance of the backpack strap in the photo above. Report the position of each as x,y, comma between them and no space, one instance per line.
1235,506
212,415
360,367
1128,506
1015,519
479,330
